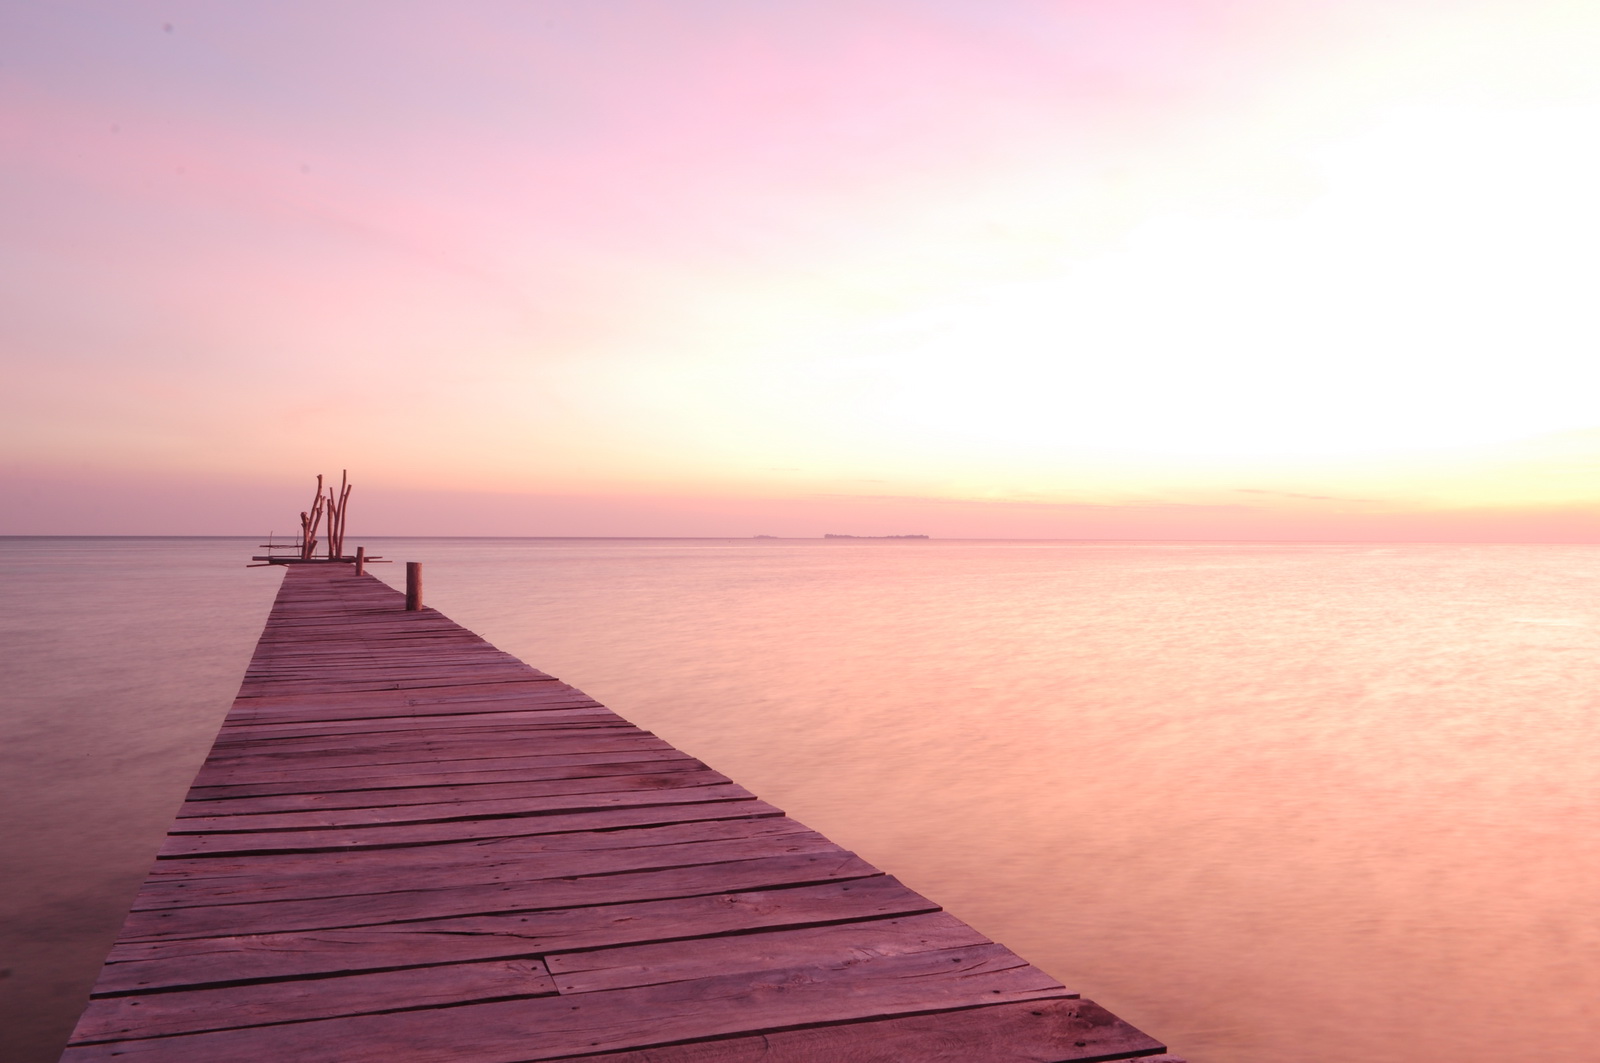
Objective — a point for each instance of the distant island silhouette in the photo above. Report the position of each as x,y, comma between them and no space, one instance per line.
835,535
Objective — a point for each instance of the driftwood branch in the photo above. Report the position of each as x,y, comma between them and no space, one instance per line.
332,505
336,504
344,504
309,522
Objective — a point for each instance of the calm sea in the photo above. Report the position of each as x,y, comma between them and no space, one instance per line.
1320,802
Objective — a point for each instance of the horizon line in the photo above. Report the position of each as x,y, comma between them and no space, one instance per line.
836,538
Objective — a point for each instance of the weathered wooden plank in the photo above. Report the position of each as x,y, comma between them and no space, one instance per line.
343,657
474,748
332,730
138,966
393,706
533,688
286,687
232,1007
340,622
369,732
325,913
307,655
328,730
461,809
305,866
349,658
255,698
416,728
345,881
390,705
403,733
523,770
312,705
466,647
1040,1031
240,774
470,665
380,837
537,687
544,1028
348,664
639,965
488,668
592,782
264,693
448,743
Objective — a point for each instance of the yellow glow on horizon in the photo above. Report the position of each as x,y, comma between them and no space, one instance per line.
1429,292
1412,329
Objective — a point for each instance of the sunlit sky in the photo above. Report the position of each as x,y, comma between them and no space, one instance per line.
1082,268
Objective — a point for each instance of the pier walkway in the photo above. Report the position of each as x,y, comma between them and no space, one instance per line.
407,845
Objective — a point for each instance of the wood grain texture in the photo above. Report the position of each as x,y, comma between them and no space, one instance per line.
519,895
464,807
140,966
387,836
544,1028
115,1018
1047,1031
406,845
309,866
677,961
452,869
606,778
444,774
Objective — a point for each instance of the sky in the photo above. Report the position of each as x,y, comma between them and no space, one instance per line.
1303,269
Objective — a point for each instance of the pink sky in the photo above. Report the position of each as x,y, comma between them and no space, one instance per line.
1085,268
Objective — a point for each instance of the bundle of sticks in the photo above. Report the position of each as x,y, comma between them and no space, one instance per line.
333,505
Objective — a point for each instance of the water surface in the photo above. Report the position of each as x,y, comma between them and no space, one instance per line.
1267,801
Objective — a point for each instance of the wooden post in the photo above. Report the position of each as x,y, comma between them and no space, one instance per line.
413,586
361,560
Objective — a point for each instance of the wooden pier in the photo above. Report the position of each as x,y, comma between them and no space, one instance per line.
407,846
